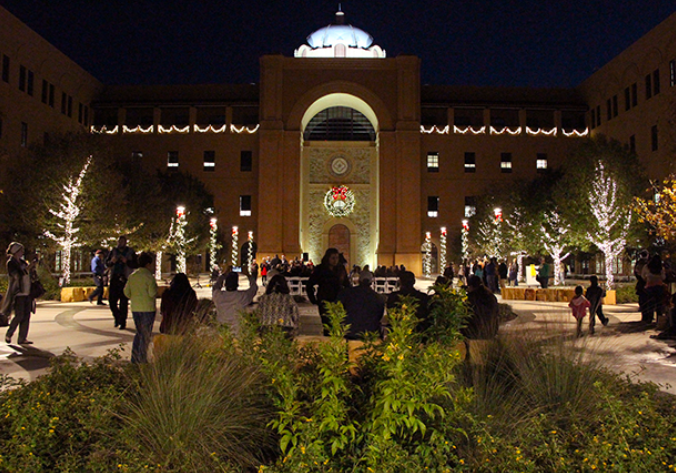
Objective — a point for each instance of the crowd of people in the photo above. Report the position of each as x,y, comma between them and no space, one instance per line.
131,282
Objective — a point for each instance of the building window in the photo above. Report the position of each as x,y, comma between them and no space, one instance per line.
24,134
432,162
22,78
64,102
0,127
433,206
470,206
672,73
656,82
627,99
634,94
648,86
172,159
86,115
506,162
209,161
609,110
5,68
615,105
470,162
30,83
70,106
541,162
245,161
45,91
632,143
593,118
598,115
653,137
245,206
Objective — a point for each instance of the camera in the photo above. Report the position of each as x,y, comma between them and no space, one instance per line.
236,269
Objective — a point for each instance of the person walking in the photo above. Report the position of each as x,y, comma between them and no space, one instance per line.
98,271
329,277
578,306
122,262
141,290
595,295
653,274
18,297
543,274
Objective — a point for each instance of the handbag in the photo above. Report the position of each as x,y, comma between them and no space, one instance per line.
37,290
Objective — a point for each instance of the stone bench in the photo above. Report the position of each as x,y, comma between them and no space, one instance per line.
82,293
552,294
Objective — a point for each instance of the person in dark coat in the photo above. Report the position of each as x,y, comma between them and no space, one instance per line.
329,278
18,297
364,308
595,295
177,306
483,322
406,284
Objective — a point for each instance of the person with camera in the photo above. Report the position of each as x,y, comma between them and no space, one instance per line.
231,301
19,298
121,261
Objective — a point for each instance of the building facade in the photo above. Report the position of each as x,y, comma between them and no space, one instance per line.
341,145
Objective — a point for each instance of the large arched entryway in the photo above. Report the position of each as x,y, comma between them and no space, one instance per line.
340,150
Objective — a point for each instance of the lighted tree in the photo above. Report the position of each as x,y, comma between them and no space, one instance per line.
489,238
214,245
517,228
178,240
611,220
659,211
427,259
555,239
68,212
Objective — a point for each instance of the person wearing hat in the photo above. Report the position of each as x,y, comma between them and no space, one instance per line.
98,270
364,308
18,298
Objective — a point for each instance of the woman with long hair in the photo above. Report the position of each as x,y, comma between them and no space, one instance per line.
329,278
177,306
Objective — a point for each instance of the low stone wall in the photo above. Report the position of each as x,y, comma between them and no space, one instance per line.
547,295
82,293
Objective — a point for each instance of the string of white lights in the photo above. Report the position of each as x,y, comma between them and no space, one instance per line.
210,128
435,129
173,128
575,133
469,129
138,129
540,131
244,129
104,129
495,131
511,131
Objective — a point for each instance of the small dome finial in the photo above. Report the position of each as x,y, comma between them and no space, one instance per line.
340,16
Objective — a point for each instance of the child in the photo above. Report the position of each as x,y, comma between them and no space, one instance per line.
579,305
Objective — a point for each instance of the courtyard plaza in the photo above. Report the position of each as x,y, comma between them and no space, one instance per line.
624,345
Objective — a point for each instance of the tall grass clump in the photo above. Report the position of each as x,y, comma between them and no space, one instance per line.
547,404
199,408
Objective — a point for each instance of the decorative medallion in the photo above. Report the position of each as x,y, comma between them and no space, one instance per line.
339,166
339,201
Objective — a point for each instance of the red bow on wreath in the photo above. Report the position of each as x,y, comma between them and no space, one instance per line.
339,193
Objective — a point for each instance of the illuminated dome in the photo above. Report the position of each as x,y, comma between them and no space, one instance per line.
340,40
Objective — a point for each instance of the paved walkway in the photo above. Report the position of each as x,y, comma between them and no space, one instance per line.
625,345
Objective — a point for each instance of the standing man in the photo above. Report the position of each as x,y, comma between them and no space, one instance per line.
98,270
121,261
543,274
407,288
141,289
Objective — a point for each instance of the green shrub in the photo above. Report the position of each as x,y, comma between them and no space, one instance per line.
65,421
626,293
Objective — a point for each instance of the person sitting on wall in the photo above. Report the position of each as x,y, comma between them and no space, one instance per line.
231,301
406,285
364,308
484,318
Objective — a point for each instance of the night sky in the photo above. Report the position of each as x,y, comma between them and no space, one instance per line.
531,43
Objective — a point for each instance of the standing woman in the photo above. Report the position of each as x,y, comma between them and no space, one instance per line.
18,296
329,277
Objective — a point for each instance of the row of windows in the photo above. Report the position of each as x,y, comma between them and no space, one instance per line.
209,160
541,162
433,206
652,88
27,85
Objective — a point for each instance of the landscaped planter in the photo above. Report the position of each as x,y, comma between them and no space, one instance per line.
82,293
552,294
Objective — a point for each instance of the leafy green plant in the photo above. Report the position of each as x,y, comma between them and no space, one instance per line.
626,293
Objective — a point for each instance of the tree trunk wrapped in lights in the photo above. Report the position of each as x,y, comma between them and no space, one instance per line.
177,239
68,212
427,259
555,239
611,221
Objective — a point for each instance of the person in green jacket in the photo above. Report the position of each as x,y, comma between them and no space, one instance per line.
141,289
543,274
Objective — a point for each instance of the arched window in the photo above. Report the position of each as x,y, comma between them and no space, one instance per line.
339,124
